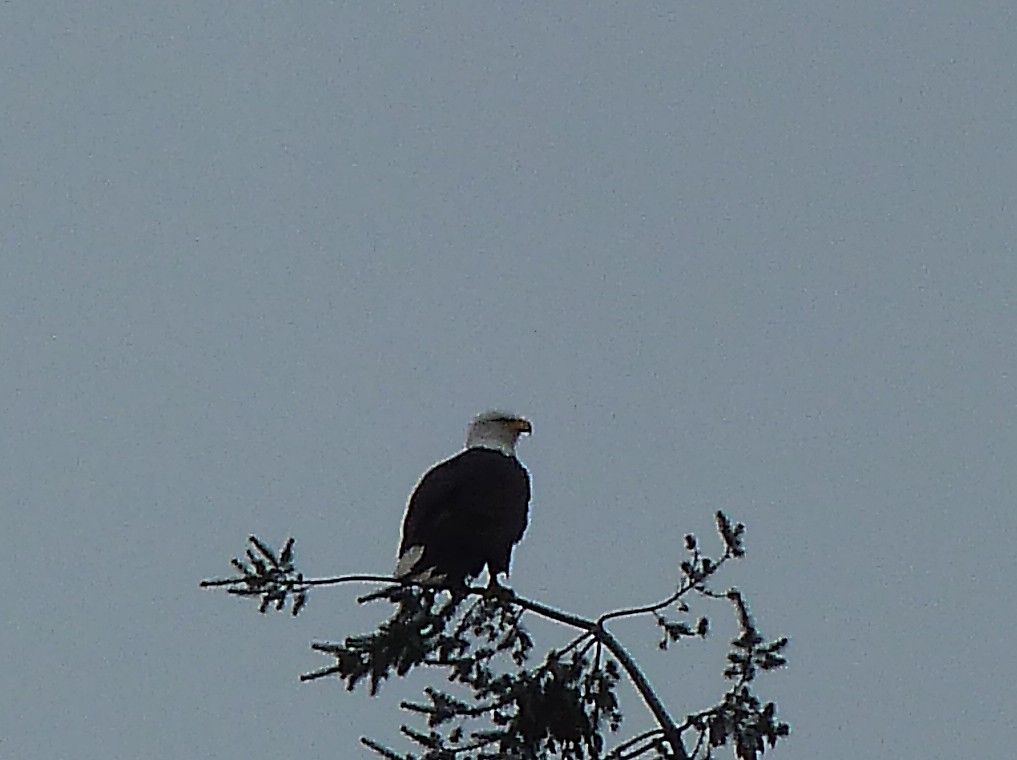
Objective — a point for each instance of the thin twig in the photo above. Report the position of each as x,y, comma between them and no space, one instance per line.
574,643
684,588
617,751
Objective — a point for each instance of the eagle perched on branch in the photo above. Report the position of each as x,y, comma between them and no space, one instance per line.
470,510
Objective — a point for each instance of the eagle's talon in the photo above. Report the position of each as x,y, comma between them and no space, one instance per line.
496,591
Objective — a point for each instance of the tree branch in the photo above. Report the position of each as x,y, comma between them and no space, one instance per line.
593,627
218,582
403,642
660,713
687,585
639,680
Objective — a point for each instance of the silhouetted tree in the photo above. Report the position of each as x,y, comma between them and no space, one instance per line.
502,702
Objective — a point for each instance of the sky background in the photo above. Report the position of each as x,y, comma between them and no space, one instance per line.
261,262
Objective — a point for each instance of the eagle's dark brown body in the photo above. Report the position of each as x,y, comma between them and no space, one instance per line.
467,512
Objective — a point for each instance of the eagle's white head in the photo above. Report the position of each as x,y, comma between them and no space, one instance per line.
497,430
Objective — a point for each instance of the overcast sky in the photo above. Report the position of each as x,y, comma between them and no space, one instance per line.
261,262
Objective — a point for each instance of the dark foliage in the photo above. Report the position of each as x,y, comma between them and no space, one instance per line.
267,575
498,702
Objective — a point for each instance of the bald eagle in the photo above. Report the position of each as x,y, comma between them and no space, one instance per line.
470,510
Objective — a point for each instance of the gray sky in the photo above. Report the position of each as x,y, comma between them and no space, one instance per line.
261,262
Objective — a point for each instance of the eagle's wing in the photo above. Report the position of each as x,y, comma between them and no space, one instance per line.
428,512
428,504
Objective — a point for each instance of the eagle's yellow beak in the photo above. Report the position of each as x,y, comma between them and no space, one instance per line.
522,426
